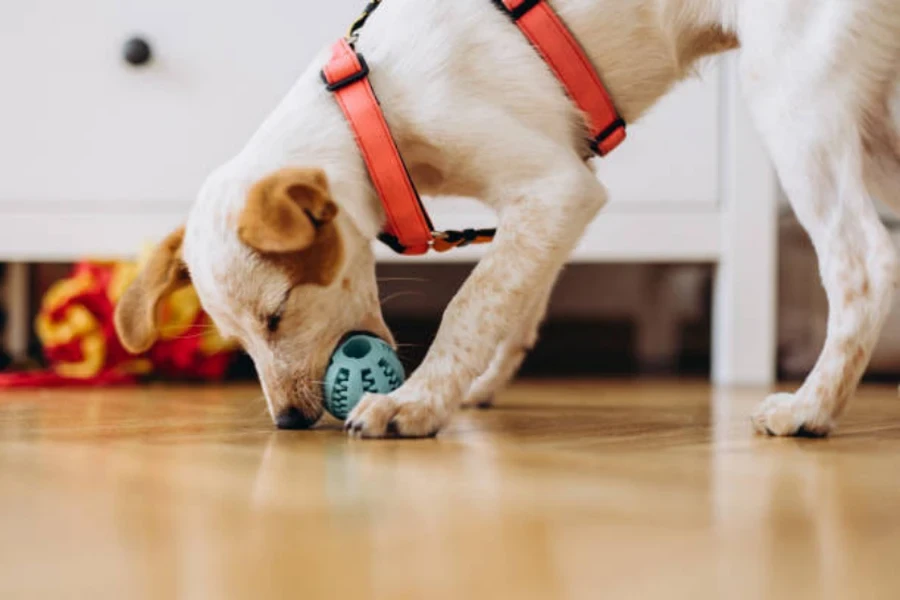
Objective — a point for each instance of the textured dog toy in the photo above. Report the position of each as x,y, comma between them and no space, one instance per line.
363,363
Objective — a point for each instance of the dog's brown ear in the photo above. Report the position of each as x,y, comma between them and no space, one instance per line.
136,312
286,211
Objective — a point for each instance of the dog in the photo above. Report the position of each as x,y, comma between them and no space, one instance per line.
279,242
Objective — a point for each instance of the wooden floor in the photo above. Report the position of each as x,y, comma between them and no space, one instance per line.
566,490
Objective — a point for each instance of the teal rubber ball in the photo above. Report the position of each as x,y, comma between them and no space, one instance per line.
362,363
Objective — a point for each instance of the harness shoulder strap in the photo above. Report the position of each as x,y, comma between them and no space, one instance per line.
568,61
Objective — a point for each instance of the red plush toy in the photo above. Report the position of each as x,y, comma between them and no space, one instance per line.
75,326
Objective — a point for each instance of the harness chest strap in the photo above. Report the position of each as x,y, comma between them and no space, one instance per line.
346,76
409,229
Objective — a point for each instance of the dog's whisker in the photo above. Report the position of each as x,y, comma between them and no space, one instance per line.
396,295
416,279
193,332
186,337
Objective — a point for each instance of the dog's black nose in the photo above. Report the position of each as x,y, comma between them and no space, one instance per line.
293,418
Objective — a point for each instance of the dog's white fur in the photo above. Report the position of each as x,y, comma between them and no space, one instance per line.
476,112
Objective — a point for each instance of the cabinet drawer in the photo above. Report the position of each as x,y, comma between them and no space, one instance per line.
80,124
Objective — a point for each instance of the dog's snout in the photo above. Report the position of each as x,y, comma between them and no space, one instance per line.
293,418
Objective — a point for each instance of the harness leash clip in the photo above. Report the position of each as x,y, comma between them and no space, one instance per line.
353,33
460,238
453,238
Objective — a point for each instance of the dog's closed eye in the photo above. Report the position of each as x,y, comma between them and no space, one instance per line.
273,322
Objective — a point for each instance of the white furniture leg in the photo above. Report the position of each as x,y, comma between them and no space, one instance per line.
18,323
658,321
744,302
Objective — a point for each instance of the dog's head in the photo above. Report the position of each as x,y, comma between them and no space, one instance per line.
280,269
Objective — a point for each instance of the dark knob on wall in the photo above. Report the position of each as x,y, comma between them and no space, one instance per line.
137,52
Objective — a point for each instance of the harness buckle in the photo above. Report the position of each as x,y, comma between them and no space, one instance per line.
597,142
392,242
519,11
340,84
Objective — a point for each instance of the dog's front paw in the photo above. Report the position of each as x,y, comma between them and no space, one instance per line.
378,416
789,415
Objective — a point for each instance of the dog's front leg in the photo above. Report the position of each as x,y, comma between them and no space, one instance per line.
511,353
540,224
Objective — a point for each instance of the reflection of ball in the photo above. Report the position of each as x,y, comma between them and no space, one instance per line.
363,363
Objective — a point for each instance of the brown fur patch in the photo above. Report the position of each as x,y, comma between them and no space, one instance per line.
289,220
286,210
849,297
695,44
427,176
316,265
853,295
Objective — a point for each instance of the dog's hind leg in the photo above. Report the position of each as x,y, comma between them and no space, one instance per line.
813,91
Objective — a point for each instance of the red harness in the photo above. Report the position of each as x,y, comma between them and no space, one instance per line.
409,229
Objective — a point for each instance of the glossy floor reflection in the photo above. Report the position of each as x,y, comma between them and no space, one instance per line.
566,490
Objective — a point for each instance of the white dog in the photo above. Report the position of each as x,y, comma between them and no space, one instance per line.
278,244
